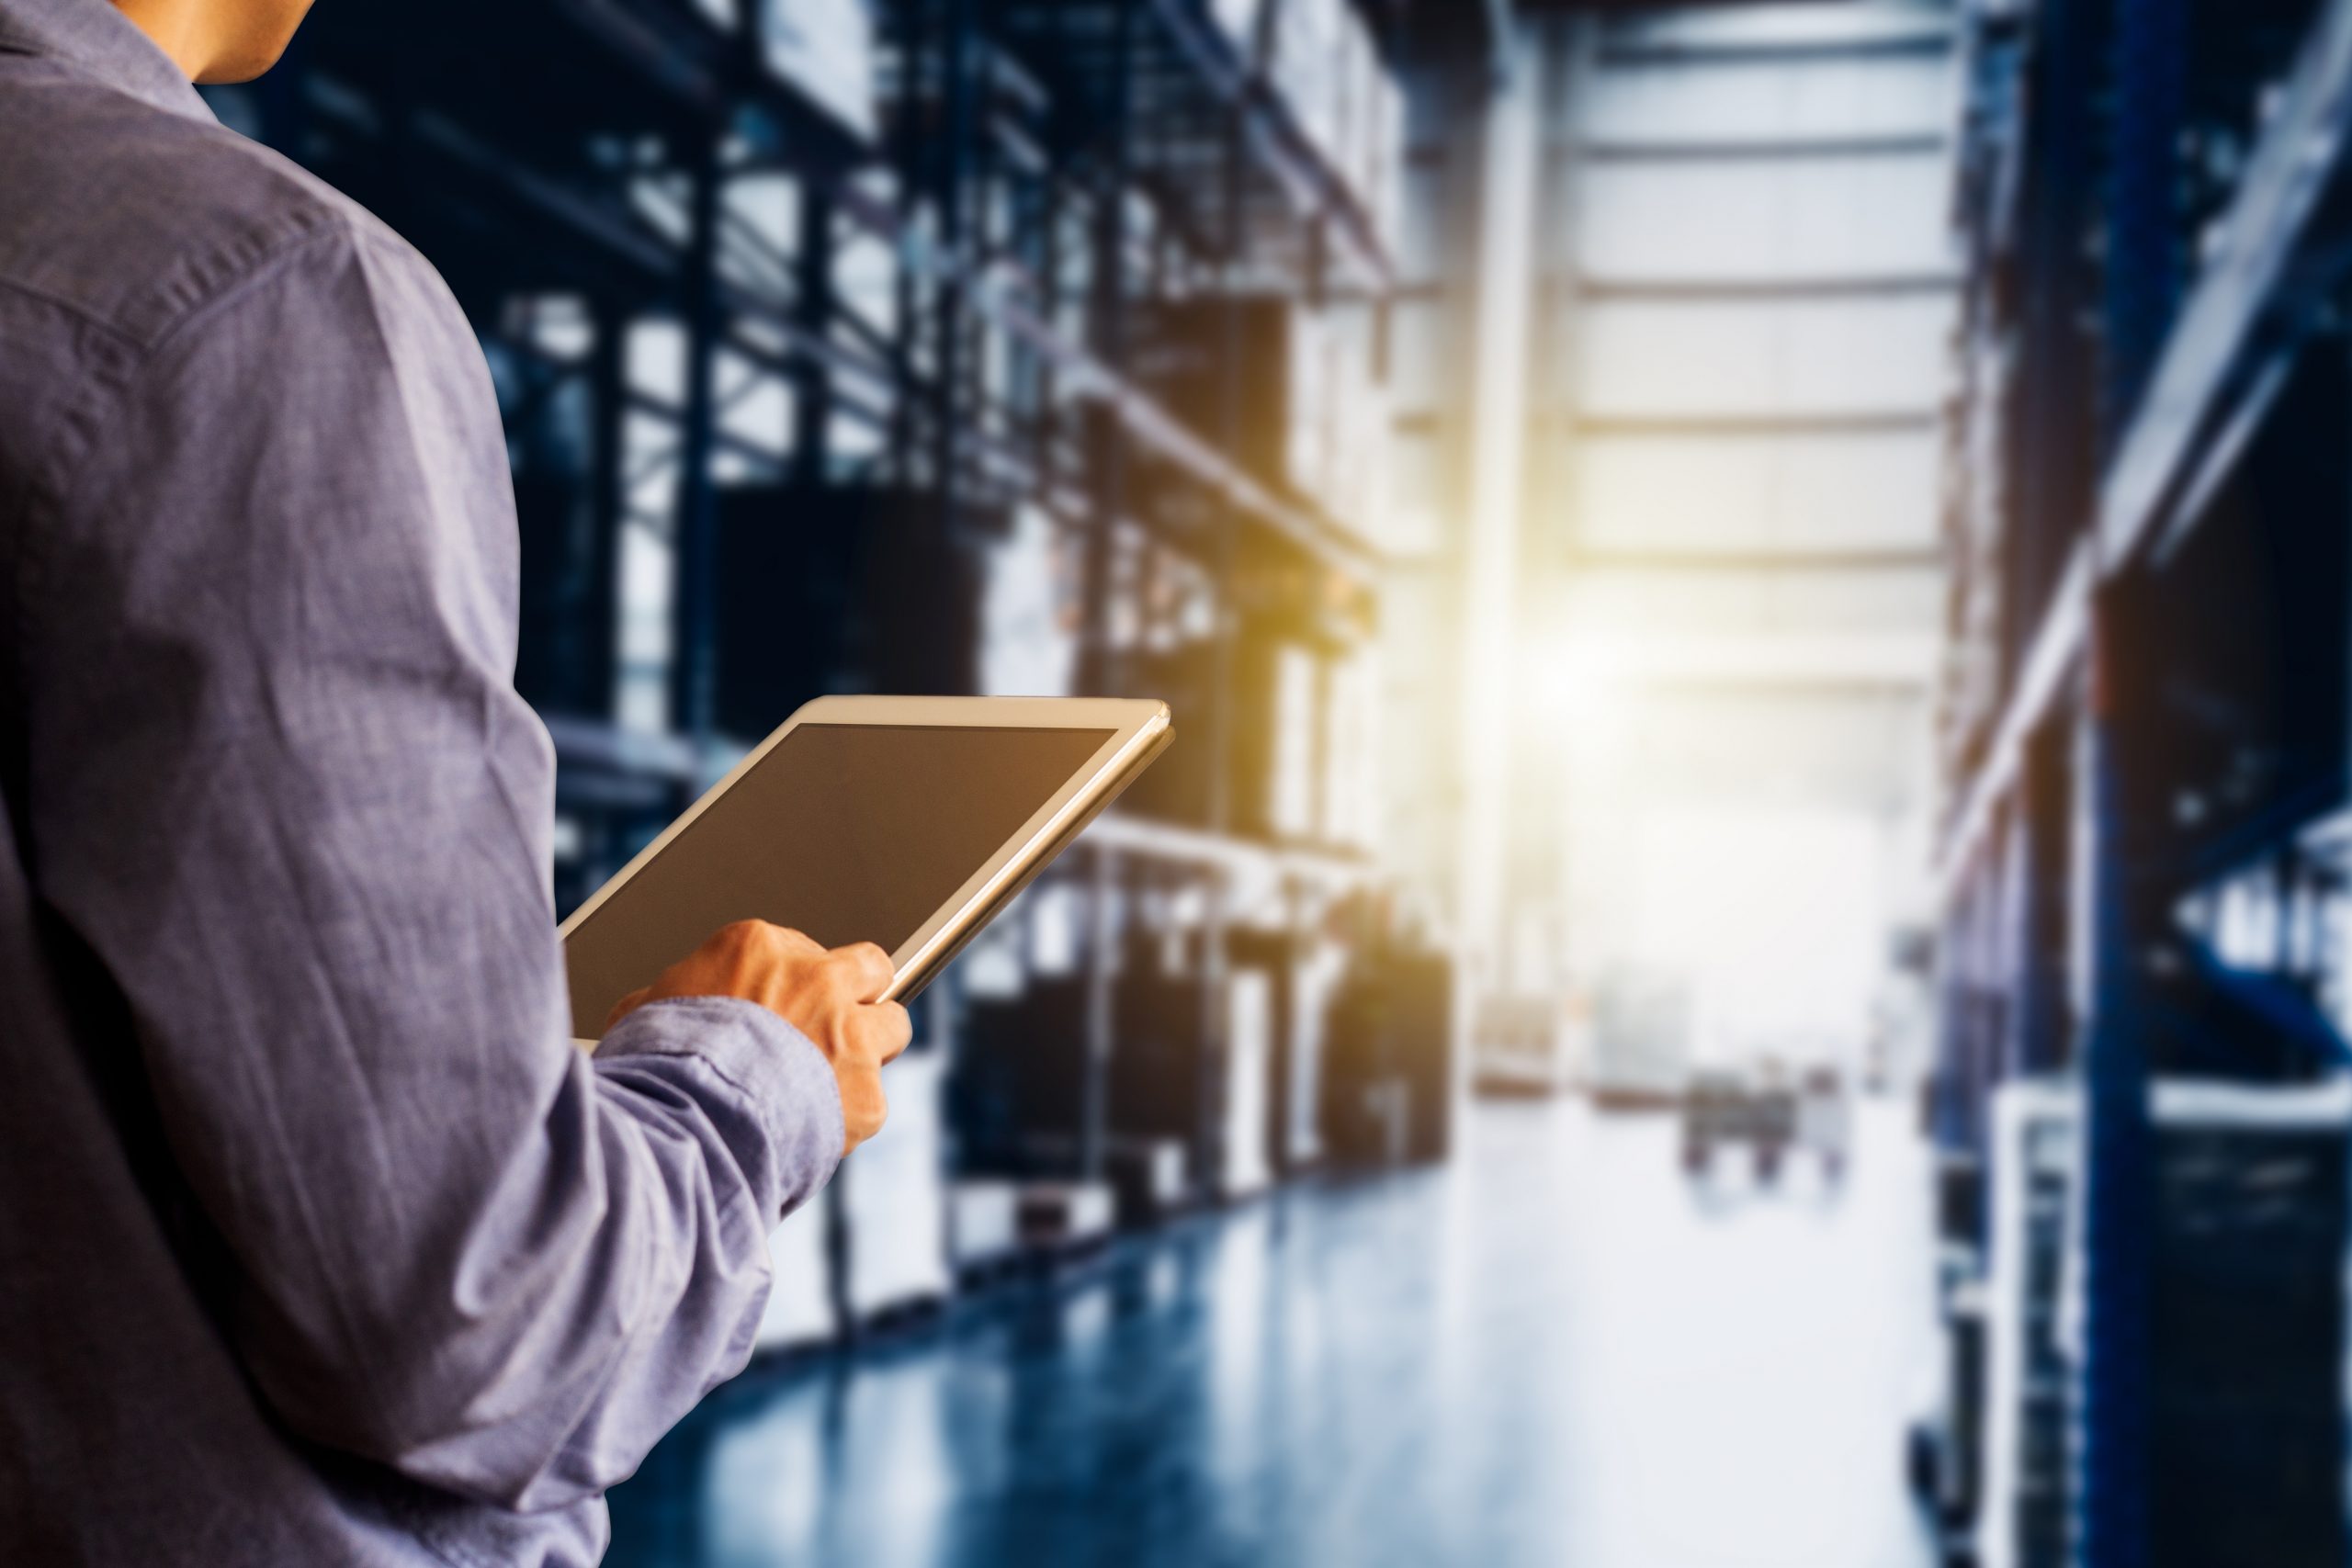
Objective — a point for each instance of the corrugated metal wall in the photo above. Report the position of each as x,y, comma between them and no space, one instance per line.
1748,298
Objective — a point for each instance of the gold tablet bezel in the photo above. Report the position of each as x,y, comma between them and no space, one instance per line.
1139,729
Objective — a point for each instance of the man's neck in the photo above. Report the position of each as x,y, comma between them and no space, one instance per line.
182,29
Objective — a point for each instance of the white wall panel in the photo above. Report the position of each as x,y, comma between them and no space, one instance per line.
1687,743
1643,603
1650,358
1423,237
1745,494
1776,26
1675,103
1789,218
1416,520
1422,368
1692,671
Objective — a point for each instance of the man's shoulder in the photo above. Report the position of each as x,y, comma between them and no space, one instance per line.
132,219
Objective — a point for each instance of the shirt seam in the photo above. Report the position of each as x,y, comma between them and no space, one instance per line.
47,501
80,312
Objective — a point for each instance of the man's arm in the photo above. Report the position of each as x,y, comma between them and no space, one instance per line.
282,787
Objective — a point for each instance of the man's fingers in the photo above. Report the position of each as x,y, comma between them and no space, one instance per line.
869,969
895,1027
876,1032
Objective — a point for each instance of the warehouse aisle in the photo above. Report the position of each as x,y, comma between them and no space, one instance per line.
1553,1352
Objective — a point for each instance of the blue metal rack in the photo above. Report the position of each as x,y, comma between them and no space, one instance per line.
585,151
2149,738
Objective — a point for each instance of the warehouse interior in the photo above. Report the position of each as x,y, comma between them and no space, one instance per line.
1741,959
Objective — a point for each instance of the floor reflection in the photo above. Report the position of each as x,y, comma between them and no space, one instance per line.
1556,1351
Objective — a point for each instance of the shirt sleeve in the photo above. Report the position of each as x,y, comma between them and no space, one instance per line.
282,787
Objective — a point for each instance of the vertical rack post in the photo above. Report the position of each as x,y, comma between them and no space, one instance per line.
959,51
917,21
607,500
2142,286
1226,630
2053,437
812,407
2111,1441
694,654
1043,254
1107,476
2044,827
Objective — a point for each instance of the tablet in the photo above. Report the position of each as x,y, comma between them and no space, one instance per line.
904,822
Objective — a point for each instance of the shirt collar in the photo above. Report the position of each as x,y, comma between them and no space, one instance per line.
101,40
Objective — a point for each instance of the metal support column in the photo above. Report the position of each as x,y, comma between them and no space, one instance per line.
1496,420
1107,476
916,26
2144,240
950,149
1208,1135
2111,1401
2053,437
812,385
2141,288
607,507
2043,864
694,643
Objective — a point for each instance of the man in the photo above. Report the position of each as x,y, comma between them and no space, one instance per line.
319,1243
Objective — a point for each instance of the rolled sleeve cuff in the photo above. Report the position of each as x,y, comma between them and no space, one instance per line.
762,1071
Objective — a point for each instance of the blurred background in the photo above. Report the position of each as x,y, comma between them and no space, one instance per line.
1741,957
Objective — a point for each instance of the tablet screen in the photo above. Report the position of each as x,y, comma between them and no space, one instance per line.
848,832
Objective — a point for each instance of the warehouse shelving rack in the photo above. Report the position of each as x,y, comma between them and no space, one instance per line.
580,168
2144,708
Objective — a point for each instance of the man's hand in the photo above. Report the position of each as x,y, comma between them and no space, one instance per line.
827,994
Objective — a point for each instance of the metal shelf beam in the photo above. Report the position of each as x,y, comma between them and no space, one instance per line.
1826,422
1084,373
1147,840
2250,293
1757,149
2056,652
1272,134
2253,293
1706,290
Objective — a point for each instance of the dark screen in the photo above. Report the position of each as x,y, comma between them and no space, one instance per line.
848,832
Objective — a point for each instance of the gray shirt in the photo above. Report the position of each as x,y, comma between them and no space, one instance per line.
319,1243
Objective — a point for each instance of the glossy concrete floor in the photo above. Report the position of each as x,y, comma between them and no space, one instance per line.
1555,1351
